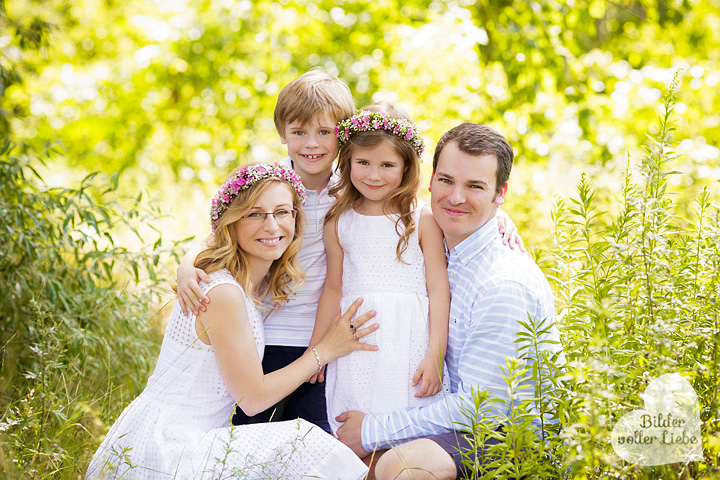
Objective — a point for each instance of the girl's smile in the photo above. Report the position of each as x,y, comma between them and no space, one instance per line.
376,172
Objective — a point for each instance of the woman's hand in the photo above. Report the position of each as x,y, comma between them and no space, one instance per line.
340,339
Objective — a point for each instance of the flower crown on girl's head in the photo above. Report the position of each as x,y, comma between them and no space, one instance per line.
364,121
245,178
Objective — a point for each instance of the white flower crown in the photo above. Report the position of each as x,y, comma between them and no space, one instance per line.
364,121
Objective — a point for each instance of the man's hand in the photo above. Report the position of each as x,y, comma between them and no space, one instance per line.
351,430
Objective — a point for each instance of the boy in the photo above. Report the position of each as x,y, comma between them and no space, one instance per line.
307,110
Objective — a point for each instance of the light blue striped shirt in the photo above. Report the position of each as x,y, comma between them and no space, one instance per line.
493,288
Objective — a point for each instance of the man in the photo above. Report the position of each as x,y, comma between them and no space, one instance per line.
493,289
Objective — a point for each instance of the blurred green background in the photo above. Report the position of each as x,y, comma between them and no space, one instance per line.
172,94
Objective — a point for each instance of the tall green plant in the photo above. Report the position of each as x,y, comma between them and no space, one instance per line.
636,298
76,339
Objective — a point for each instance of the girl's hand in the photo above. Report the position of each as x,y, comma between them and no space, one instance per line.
509,231
431,376
190,295
340,339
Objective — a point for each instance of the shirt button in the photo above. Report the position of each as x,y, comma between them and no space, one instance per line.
451,274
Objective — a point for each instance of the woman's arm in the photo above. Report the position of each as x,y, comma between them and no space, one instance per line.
188,277
228,330
431,243
329,303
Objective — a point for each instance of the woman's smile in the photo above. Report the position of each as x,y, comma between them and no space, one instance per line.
271,242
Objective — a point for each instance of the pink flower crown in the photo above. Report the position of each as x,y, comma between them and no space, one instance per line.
245,178
364,121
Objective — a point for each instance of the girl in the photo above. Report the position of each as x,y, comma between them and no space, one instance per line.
177,427
383,245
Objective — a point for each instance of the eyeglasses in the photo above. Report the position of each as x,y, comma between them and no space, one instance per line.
282,215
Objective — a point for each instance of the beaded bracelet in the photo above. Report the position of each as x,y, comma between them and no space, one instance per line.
317,357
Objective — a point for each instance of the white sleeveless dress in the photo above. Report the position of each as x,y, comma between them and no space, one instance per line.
178,428
379,382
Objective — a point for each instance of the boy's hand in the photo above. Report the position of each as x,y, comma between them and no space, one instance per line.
188,289
509,231
430,375
318,377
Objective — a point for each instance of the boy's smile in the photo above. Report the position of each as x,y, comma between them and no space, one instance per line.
313,148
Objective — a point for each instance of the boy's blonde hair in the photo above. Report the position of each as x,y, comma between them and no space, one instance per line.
311,95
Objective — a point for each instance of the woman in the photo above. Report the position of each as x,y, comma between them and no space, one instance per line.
177,427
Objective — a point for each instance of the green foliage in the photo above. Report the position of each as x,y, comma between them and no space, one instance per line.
28,34
75,343
175,94
637,298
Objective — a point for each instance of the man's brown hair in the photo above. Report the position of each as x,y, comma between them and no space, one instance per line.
478,139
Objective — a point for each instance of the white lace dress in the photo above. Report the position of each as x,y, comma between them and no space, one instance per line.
178,428
378,382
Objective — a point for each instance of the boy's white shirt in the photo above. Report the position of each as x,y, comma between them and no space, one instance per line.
292,324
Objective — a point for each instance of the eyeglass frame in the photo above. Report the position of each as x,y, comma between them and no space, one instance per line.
264,215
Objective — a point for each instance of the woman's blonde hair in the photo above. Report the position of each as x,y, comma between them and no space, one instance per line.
402,201
224,250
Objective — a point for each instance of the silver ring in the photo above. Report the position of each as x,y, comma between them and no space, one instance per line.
355,334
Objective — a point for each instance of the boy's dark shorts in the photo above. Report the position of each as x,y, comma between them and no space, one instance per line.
457,443
307,402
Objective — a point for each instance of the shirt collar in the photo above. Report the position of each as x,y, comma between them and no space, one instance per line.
334,177
475,243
